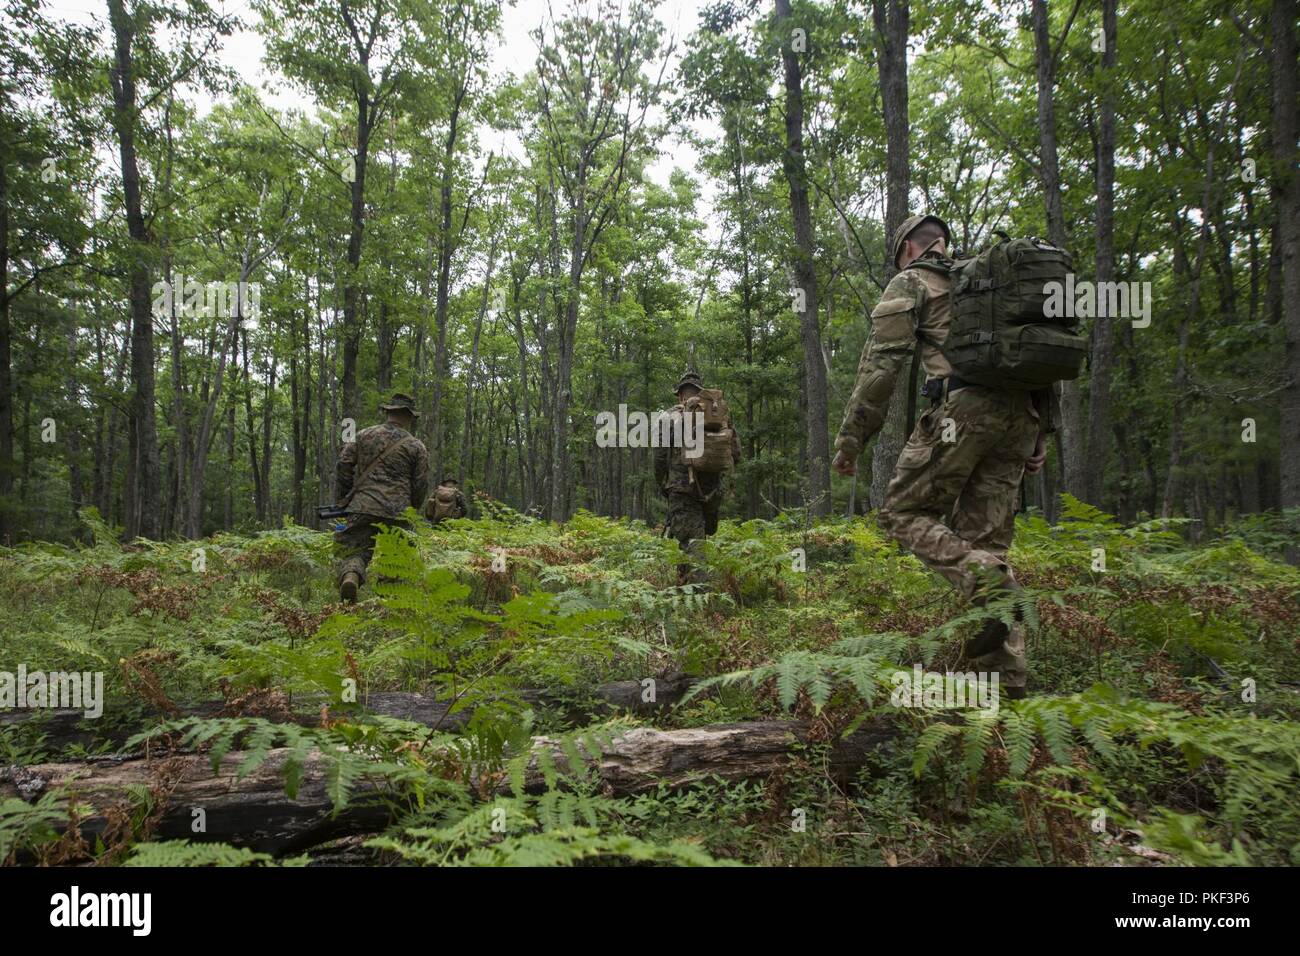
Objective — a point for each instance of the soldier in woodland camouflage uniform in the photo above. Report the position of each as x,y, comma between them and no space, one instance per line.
950,502
460,507
380,474
694,500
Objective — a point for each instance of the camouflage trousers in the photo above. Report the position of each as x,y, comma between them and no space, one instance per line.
692,519
355,542
952,502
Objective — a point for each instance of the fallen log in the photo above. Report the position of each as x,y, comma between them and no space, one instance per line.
255,811
643,758
63,728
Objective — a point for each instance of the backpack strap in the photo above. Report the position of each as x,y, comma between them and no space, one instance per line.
933,264
941,266
360,480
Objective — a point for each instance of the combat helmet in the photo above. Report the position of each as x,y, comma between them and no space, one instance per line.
910,223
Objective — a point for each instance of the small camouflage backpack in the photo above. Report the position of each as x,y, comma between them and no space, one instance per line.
1001,335
443,503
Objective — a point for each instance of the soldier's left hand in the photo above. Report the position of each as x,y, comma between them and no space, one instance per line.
1034,464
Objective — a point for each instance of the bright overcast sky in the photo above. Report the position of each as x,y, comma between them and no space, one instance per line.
244,51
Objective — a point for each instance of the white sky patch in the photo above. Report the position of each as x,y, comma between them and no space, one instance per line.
245,52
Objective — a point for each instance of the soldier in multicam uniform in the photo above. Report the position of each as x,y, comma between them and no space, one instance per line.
694,499
950,502
380,474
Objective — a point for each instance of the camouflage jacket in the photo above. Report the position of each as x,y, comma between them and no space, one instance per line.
399,481
914,298
671,470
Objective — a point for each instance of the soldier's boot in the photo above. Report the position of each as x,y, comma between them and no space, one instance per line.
683,574
995,630
992,636
1013,693
348,587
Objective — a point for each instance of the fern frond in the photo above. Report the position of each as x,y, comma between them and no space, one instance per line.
933,737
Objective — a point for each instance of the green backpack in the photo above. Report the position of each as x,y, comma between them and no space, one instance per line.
1001,335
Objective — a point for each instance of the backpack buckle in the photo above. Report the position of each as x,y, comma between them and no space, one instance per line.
982,337
983,285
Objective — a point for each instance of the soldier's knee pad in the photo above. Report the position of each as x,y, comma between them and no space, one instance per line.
990,571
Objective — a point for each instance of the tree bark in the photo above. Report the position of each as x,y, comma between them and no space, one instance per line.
1286,199
255,812
1099,427
6,380
893,25
472,373
446,248
207,421
144,511
1070,433
805,276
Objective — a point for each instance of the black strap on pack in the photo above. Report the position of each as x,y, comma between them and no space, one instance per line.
934,389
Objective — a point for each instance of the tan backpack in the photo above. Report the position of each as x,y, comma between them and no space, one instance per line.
715,457
712,405
443,504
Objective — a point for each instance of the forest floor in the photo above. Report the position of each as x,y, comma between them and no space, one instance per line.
513,692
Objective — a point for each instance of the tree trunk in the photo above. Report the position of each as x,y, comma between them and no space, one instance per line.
351,288
207,421
6,381
472,372
73,422
445,250
1286,199
805,277
145,493
560,471
228,518
1070,433
1099,426
254,811
892,23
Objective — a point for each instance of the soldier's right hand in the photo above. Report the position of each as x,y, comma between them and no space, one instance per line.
845,465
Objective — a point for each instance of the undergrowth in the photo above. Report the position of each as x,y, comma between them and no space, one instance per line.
1161,725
